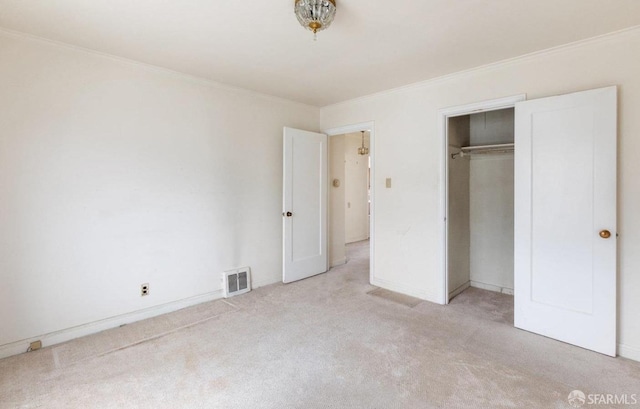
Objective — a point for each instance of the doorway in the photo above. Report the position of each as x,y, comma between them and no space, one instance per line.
564,210
481,202
351,193
478,197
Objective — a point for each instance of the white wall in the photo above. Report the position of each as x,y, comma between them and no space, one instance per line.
491,203
407,226
493,127
337,248
114,174
491,220
356,170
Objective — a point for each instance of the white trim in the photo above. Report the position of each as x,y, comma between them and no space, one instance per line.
265,282
491,287
365,126
340,130
402,289
494,65
357,239
459,289
426,83
443,115
483,106
339,262
184,76
68,334
629,352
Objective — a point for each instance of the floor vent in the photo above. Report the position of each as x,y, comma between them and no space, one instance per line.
236,281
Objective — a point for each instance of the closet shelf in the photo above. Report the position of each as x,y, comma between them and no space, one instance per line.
481,149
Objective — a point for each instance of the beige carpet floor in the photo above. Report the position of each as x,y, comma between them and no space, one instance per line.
323,342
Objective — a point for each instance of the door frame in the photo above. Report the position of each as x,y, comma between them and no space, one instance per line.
443,120
363,126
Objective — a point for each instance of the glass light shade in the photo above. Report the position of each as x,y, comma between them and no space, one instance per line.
363,150
315,15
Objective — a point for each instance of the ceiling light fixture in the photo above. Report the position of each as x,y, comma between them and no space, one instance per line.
363,150
315,15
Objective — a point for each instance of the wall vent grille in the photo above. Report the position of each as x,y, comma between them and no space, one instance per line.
236,282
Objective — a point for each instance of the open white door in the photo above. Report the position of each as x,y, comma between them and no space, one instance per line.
304,210
565,218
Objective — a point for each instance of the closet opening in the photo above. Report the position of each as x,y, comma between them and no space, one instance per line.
480,210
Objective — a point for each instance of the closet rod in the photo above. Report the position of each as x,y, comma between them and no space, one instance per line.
479,149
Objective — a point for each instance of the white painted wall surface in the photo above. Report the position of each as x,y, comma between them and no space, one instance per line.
491,220
493,127
356,169
114,174
407,225
337,245
491,202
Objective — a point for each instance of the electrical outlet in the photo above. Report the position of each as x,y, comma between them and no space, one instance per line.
34,346
144,289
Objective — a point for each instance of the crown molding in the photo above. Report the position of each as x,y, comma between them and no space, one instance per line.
630,31
150,67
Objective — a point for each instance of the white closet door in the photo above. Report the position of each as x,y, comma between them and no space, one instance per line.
565,218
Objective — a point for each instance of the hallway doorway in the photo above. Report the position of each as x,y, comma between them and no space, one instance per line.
349,195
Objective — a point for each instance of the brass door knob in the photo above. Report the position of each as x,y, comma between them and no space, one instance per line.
605,234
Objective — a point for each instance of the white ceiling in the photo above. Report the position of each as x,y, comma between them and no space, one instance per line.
371,46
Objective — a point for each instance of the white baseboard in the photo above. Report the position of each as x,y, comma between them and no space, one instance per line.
356,239
491,287
68,334
459,289
391,286
338,262
265,282
629,352
53,338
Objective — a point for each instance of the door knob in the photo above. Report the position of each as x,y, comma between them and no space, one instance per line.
288,214
605,234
